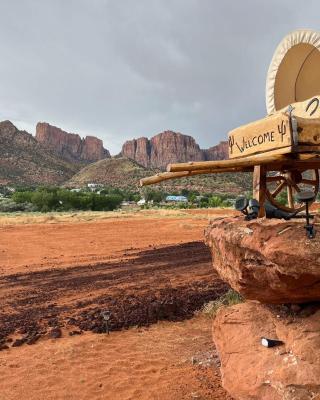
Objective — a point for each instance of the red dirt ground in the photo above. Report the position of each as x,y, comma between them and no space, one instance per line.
58,279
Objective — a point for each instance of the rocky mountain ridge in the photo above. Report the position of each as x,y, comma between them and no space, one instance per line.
53,156
25,161
70,146
170,147
162,149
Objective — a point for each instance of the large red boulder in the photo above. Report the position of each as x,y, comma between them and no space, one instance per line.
251,371
267,260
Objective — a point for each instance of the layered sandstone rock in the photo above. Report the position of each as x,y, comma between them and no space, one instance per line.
218,152
25,161
137,150
252,372
267,260
170,147
70,146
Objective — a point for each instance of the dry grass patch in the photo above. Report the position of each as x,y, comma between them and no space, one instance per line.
17,218
230,298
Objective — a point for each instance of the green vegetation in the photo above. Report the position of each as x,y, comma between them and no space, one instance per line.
56,199
282,198
157,196
195,199
8,205
101,198
228,299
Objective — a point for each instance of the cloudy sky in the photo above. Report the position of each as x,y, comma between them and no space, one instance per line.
120,69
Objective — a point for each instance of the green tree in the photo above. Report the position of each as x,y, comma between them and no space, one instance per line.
215,201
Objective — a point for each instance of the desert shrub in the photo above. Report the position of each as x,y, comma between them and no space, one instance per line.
183,206
44,201
282,198
49,199
126,195
22,197
204,202
218,201
8,205
156,196
228,299
106,203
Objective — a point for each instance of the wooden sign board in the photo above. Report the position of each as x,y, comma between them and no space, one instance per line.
306,109
268,134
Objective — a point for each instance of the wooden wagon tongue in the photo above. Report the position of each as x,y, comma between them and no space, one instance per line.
283,149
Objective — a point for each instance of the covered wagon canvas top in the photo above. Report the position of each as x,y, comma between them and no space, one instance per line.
293,79
294,72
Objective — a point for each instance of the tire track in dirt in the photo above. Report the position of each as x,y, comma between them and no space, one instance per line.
166,283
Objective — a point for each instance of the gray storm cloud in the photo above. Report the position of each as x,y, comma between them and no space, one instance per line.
123,68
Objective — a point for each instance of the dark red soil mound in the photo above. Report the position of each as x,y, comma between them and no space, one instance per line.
166,283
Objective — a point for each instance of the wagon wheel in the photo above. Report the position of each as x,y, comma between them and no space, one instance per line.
291,181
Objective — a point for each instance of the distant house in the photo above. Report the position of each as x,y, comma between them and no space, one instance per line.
128,204
141,202
176,199
94,186
76,190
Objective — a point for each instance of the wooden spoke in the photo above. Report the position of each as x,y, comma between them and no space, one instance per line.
292,182
276,178
290,197
259,188
278,189
296,187
309,181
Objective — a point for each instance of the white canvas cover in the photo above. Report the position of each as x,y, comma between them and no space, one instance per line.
294,72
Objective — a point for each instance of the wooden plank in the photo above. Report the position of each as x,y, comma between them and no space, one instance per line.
308,156
305,149
308,131
290,196
260,187
174,175
151,180
299,165
258,159
267,134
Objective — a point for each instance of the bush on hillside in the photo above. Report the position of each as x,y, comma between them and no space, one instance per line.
8,205
50,199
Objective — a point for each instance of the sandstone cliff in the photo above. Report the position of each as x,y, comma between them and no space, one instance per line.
169,147
23,160
218,152
70,146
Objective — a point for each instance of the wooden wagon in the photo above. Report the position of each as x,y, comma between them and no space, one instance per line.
283,149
